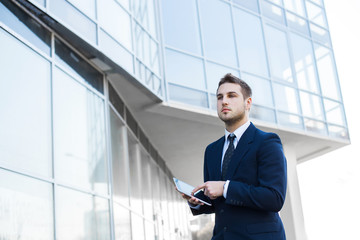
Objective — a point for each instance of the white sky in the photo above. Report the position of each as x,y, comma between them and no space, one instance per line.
330,185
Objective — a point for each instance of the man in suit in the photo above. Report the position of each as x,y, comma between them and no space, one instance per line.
244,172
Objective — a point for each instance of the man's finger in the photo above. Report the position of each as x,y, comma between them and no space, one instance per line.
198,188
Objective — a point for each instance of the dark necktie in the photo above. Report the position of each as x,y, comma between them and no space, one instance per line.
227,157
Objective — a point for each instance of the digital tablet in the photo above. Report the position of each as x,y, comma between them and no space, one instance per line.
186,189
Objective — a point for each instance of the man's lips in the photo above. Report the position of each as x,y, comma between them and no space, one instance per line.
225,110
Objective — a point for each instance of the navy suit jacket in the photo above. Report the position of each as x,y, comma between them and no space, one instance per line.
256,193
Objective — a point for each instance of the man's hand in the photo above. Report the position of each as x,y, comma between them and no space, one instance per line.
212,189
191,200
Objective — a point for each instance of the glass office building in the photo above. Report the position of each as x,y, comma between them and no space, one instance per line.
102,102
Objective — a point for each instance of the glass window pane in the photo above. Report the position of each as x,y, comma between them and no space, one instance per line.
184,70
320,34
327,72
146,185
26,208
334,112
115,51
188,96
251,49
338,132
264,114
296,6
311,106
74,18
286,98
122,223
297,23
214,73
303,59
116,21
290,120
86,6
144,13
261,89
25,129
137,227
119,166
315,126
217,32
278,53
135,175
25,26
149,230
81,216
79,134
273,12
180,25
250,4
316,14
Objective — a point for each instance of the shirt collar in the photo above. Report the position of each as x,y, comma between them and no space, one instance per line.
238,132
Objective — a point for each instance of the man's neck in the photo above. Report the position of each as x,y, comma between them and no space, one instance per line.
233,126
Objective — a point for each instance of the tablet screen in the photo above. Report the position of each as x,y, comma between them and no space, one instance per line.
186,189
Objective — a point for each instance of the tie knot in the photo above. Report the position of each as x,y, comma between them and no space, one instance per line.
231,137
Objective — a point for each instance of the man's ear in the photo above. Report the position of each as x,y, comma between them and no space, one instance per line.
248,102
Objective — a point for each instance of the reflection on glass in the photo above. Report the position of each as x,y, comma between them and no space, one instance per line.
217,32
273,12
121,223
74,18
115,51
251,49
116,21
311,106
137,227
119,166
135,175
25,140
277,47
334,112
180,25
26,210
261,113
261,88
316,14
303,59
290,120
297,23
315,126
338,132
146,185
79,134
42,2
188,96
77,66
86,6
250,4
144,12
81,216
320,34
295,6
286,98
214,73
184,70
25,26
327,72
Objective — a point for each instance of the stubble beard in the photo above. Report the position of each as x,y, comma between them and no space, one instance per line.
233,120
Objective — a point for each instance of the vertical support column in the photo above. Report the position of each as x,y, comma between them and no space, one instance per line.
292,213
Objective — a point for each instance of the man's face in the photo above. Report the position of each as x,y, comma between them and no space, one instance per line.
231,105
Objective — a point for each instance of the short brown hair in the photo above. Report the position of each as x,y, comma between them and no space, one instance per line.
245,88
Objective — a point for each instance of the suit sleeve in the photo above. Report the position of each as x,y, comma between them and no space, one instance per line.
204,208
269,192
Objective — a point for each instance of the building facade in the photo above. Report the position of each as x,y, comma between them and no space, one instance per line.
104,101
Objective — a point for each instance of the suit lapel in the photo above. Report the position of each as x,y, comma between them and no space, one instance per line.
241,149
216,159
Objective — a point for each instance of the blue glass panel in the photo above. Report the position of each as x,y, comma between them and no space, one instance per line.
311,106
297,23
316,14
25,129
188,96
249,4
290,120
315,126
86,6
184,70
122,225
116,21
217,32
296,6
327,72
74,18
334,112
304,63
214,73
338,132
286,99
25,26
261,89
180,24
145,14
278,54
320,34
251,49
273,12
261,113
